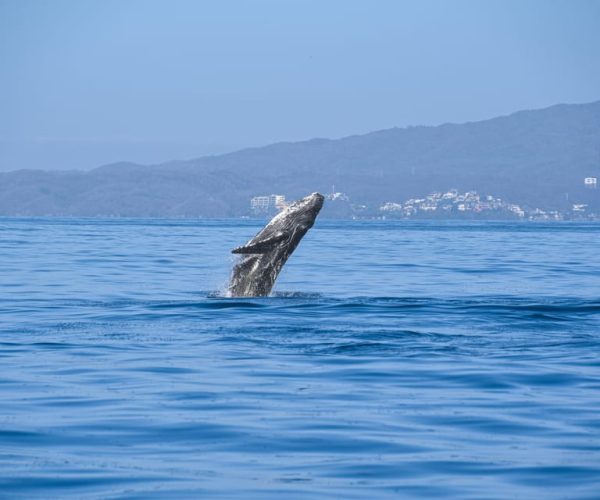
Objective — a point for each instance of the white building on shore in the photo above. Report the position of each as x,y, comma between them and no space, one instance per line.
260,204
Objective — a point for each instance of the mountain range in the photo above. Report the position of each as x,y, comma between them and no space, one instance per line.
536,158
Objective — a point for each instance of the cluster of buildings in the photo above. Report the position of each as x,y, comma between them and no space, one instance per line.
579,211
539,214
451,203
337,196
439,205
265,204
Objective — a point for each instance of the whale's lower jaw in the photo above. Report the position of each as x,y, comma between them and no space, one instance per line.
263,257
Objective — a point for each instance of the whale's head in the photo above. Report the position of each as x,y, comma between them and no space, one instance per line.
287,228
302,213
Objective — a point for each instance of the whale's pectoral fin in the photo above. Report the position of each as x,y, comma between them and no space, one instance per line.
259,246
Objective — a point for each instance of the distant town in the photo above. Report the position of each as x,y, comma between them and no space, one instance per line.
451,204
532,165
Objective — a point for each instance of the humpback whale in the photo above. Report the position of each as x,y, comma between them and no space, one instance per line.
264,255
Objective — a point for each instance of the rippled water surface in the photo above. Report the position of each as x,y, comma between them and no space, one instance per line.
394,359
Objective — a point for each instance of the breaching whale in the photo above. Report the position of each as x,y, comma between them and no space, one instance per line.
264,255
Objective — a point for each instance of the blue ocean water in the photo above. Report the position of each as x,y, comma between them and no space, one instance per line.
412,359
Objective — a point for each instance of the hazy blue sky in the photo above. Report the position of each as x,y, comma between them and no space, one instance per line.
84,83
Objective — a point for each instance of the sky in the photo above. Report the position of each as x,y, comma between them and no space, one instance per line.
89,82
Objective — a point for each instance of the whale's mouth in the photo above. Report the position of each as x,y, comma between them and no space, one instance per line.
306,210
315,201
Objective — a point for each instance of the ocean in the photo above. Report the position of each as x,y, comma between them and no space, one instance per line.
394,359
